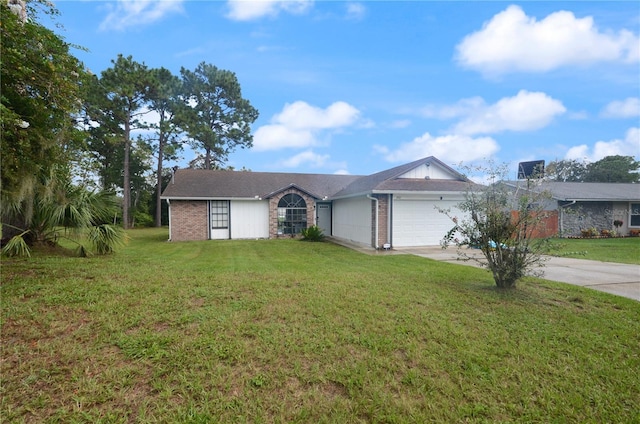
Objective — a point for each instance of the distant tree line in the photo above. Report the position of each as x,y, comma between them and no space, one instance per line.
68,133
611,169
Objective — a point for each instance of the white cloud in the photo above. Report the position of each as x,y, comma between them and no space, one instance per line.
308,157
355,11
130,13
463,107
302,115
299,124
400,123
514,42
248,10
449,148
526,111
629,146
627,108
273,137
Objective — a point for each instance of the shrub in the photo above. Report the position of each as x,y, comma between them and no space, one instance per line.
503,221
313,233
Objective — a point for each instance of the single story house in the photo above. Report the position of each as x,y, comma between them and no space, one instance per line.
397,207
581,206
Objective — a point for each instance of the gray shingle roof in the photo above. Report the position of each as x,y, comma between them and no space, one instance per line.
590,191
204,184
388,180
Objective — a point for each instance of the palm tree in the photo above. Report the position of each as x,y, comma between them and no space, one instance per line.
58,209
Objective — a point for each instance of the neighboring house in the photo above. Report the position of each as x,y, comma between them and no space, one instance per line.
393,208
581,206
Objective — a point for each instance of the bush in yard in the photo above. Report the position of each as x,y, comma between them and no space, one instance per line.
313,233
504,221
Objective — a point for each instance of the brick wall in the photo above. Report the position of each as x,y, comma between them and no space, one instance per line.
189,220
273,211
383,219
546,224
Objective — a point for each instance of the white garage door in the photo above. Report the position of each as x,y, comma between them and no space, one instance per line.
419,223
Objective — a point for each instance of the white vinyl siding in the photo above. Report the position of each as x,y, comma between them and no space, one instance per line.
417,222
249,219
433,171
352,219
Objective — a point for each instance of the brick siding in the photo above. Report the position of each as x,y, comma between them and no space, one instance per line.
273,211
189,220
383,219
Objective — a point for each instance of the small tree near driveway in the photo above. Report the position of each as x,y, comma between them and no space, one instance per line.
505,222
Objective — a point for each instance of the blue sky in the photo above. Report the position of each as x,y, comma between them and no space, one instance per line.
359,87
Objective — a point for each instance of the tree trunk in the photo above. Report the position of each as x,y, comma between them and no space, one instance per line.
159,178
126,186
207,159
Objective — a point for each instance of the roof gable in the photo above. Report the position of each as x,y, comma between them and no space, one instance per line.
413,176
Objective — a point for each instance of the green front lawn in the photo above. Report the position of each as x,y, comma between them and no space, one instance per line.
290,331
623,250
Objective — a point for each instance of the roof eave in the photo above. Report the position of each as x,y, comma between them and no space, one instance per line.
209,198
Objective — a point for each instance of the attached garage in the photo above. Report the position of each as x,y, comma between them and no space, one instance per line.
418,222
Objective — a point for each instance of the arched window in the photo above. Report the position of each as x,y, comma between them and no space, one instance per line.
292,214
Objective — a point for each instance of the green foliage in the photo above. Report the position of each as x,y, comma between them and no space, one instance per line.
117,104
312,233
504,223
106,238
214,113
17,246
614,169
611,169
40,92
59,209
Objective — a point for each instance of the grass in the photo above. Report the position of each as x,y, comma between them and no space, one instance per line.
622,250
285,331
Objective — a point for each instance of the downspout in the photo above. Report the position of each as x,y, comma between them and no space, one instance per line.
562,215
389,200
169,212
376,231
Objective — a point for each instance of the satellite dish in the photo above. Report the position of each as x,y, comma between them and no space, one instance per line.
531,169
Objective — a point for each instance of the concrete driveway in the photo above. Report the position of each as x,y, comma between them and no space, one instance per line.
620,279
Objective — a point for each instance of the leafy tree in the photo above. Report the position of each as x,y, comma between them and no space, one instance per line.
216,116
613,169
40,91
164,99
503,222
126,87
566,170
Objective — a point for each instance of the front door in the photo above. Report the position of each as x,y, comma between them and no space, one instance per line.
323,217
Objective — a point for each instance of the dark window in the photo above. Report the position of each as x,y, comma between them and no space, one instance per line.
219,214
292,214
634,216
